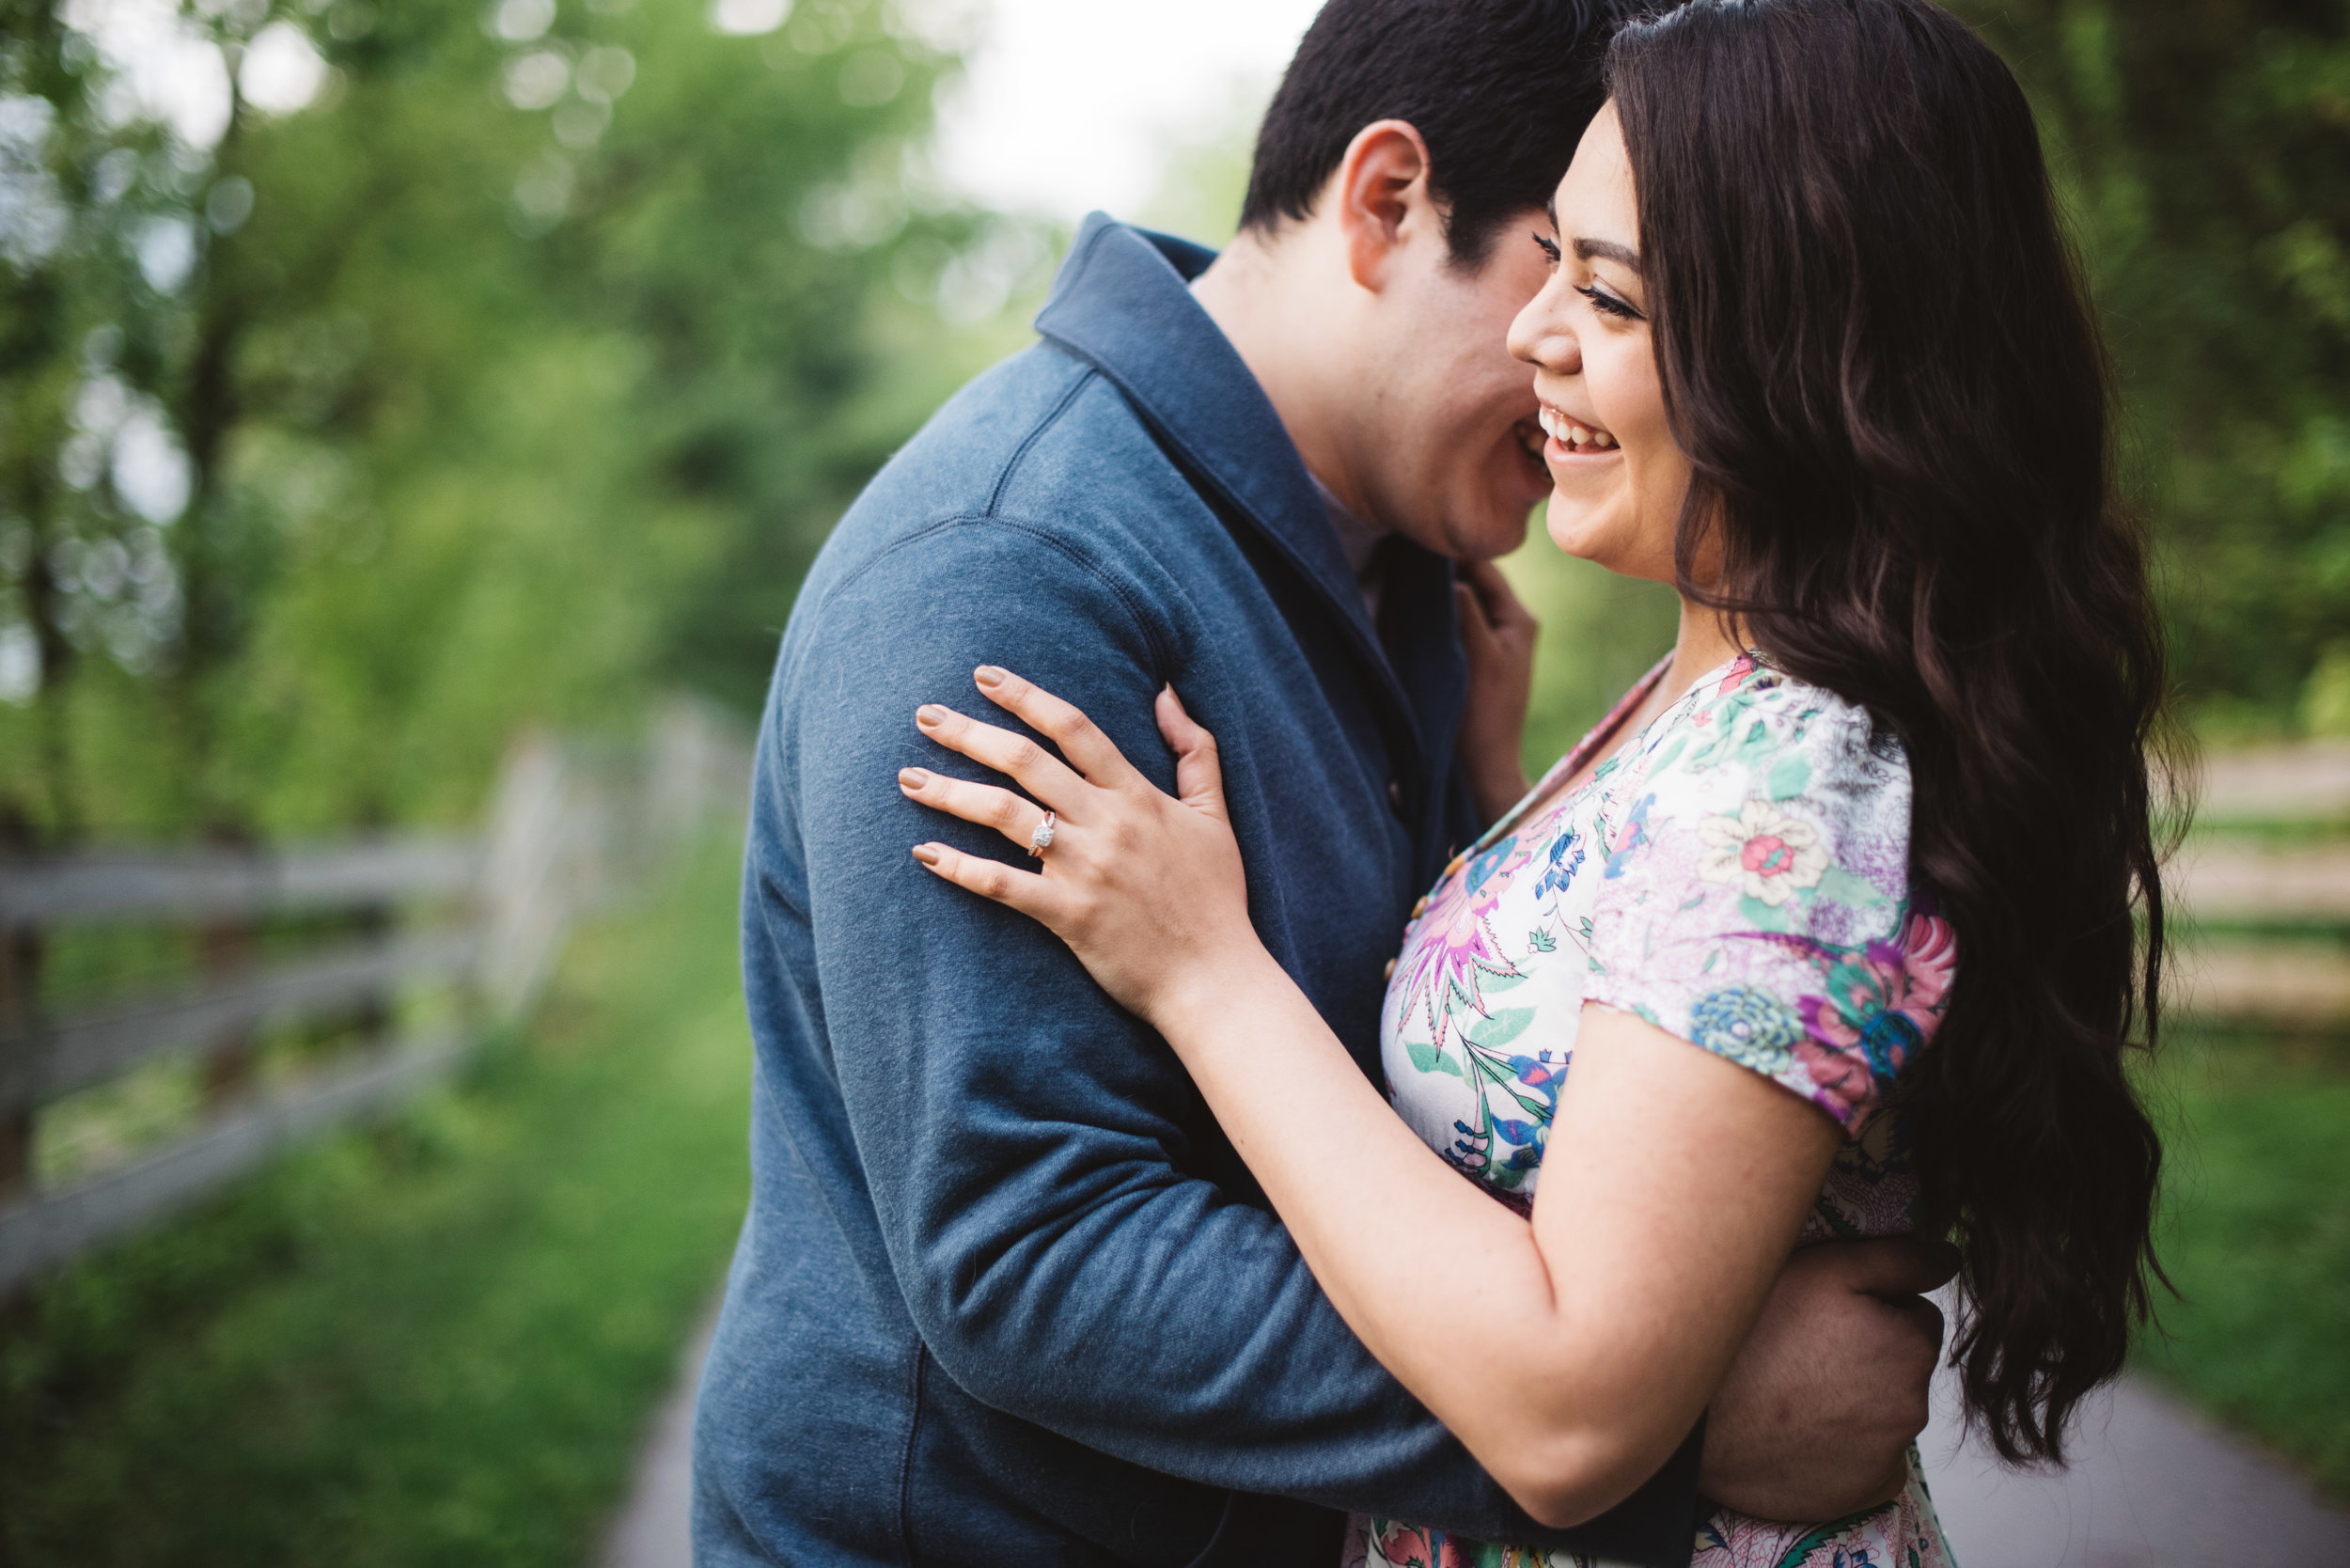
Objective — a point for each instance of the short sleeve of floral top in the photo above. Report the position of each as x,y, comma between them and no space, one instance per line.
1738,874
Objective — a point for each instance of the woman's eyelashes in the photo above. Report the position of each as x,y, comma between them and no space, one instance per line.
1608,303
1602,301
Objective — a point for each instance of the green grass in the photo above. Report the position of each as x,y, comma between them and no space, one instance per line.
2257,1239
434,1341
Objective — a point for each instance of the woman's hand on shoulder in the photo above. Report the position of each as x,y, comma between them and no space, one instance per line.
1146,888
1498,634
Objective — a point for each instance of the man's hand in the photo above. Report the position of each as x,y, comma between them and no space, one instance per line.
1816,1417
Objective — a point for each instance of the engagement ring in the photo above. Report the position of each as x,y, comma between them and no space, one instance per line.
1041,840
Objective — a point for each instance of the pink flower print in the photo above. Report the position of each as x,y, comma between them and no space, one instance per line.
1402,1546
1632,835
1737,1540
1884,1002
1929,961
1842,1082
1911,977
1739,669
1766,851
1453,942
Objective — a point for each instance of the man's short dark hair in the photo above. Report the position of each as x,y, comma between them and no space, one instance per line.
1500,90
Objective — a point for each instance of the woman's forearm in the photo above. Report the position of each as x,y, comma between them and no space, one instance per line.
1450,1290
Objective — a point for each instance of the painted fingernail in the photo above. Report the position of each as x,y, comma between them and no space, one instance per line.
988,677
927,854
913,778
930,712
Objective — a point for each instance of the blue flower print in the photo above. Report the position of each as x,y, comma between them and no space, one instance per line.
1564,860
1630,837
1891,1039
1482,869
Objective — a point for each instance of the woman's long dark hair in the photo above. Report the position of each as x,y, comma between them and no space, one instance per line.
1878,355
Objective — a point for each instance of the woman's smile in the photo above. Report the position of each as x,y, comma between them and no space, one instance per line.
1571,437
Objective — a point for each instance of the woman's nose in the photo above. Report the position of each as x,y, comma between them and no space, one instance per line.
1540,336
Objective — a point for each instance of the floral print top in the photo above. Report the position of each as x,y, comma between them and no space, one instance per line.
1738,874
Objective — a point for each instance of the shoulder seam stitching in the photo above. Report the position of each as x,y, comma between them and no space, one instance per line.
1011,464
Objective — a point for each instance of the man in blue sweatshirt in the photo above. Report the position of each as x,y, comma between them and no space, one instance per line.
1005,1295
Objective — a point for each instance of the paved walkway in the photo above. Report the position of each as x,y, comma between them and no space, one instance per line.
2153,1486
652,1530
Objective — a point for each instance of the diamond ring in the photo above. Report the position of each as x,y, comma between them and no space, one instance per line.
1041,840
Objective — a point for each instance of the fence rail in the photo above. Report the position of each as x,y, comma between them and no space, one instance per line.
2247,903
77,1052
52,1230
483,915
2218,881
155,887
2281,783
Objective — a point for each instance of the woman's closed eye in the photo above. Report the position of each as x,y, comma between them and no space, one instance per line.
1608,303
1602,301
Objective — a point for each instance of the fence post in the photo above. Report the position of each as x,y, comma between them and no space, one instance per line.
20,1043
528,867
226,949
20,1055
372,1020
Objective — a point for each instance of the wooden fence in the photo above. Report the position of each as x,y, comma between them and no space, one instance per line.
480,919
2263,887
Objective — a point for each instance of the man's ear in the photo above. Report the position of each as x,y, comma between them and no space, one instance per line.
1384,203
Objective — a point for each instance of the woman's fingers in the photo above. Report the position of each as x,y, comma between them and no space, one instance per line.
1042,773
1079,738
1504,612
1477,632
1025,891
1009,814
1198,773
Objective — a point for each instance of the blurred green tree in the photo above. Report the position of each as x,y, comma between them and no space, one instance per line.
2206,151
376,380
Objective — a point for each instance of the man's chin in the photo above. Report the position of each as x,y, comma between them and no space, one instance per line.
1490,540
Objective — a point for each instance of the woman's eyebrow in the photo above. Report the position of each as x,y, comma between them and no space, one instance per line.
1607,250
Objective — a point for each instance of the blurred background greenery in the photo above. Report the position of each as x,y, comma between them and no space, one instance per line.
432,371
378,380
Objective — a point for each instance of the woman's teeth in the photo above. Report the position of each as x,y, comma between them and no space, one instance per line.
1569,434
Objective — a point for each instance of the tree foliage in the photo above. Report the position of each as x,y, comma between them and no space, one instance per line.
377,378
2205,147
